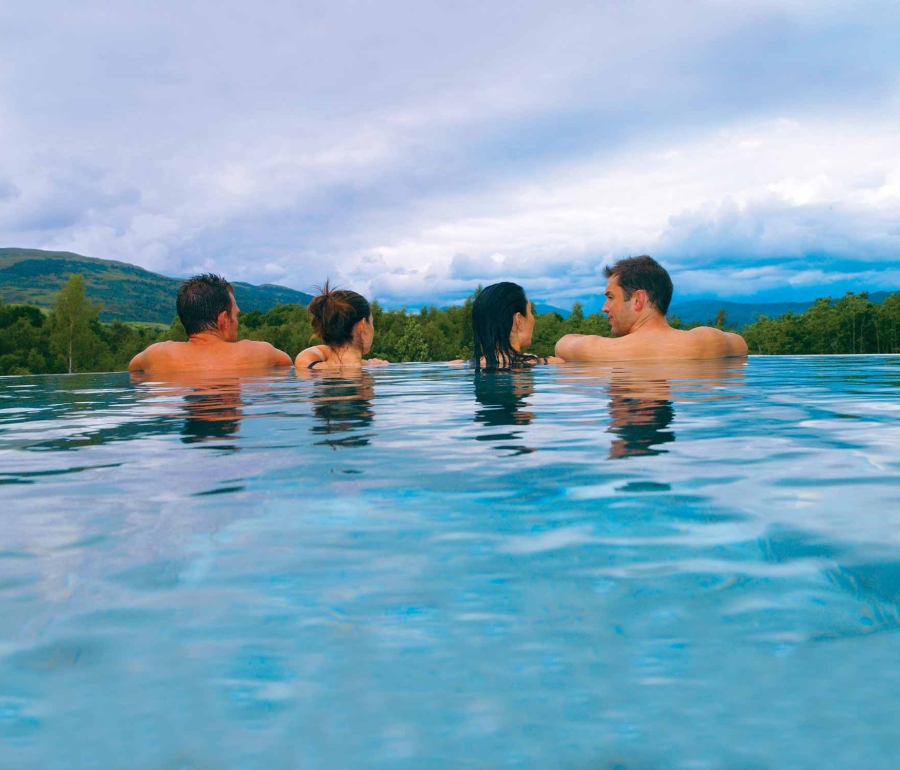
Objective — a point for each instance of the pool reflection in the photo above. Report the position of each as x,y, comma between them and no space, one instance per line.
342,407
642,399
213,415
501,398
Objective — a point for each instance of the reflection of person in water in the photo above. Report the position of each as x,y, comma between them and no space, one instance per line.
342,405
501,397
212,406
639,423
213,414
642,404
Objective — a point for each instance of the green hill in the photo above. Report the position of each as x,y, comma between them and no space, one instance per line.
128,293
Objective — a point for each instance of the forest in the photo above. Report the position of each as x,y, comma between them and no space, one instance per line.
71,338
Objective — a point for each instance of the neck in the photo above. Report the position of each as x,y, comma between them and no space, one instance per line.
349,354
207,335
649,322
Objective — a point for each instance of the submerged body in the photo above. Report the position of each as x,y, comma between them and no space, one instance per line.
343,320
326,357
208,352
656,341
638,293
209,314
502,328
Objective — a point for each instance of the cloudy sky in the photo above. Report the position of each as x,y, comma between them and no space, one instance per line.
411,150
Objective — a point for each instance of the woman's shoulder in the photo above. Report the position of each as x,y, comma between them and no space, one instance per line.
314,355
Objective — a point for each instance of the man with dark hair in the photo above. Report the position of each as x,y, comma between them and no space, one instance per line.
638,292
209,314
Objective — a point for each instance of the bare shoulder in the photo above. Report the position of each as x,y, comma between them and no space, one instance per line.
312,354
584,347
718,343
258,349
158,350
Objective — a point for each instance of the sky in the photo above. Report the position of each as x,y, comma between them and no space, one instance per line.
412,150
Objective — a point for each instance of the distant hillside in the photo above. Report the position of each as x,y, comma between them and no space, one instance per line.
541,307
743,313
128,293
739,313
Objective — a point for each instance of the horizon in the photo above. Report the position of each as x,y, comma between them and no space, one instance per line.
409,152
590,303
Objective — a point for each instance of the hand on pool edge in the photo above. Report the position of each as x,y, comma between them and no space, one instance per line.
375,362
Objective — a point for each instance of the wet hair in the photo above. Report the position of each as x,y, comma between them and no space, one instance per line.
200,300
492,319
334,312
643,273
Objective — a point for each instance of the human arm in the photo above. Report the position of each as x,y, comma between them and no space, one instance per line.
374,362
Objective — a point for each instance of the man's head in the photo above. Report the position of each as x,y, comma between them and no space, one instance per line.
637,286
206,303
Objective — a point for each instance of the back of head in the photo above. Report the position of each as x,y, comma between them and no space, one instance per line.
645,273
334,313
493,312
200,300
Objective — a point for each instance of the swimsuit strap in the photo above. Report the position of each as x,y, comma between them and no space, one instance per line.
313,364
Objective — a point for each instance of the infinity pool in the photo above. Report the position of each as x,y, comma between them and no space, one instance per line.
695,566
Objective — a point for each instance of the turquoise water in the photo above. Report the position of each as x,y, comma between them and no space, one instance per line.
689,567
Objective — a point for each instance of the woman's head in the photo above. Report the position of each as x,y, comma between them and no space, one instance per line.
502,324
341,317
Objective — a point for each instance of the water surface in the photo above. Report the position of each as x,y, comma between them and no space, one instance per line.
640,566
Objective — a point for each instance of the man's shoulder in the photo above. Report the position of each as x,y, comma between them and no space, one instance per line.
154,354
585,347
722,342
252,345
166,347
258,349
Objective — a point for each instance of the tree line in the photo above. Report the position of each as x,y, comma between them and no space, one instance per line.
70,338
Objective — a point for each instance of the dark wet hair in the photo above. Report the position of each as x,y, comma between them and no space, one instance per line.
200,300
334,312
643,273
492,319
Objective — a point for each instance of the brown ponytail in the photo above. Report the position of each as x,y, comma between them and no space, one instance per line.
334,312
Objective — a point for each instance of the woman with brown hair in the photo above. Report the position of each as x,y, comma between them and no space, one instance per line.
342,319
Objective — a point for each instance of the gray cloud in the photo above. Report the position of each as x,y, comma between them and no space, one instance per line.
315,139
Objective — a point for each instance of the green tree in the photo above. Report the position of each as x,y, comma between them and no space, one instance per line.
412,345
176,331
73,332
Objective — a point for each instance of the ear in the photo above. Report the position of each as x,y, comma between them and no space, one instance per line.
518,320
639,298
223,319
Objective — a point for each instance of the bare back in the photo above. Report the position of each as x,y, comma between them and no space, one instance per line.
208,354
659,342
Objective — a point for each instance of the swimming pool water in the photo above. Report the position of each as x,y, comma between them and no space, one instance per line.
692,566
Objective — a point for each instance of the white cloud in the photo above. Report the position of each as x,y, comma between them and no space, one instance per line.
399,148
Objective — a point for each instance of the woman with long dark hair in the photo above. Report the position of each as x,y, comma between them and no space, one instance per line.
502,325
342,319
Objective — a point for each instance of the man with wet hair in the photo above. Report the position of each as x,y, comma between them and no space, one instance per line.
638,292
209,314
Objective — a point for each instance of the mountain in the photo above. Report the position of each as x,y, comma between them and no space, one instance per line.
128,292
743,313
739,313
541,307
